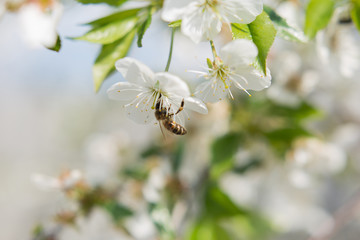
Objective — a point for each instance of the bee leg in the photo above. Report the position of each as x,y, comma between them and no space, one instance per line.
158,102
181,107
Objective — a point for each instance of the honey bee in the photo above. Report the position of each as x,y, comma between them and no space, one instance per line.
166,118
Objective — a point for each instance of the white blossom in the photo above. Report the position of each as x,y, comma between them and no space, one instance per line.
66,180
338,46
143,89
233,67
202,19
39,23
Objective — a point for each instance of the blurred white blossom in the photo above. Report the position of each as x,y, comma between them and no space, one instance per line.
65,181
97,226
338,46
203,19
311,156
103,156
40,21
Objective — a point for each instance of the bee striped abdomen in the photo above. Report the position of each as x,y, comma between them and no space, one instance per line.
174,127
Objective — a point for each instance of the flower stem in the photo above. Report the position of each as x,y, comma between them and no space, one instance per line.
213,48
171,50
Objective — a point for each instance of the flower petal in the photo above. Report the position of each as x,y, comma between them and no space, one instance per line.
244,11
238,53
200,24
209,93
140,111
196,105
135,72
174,9
124,91
255,80
172,84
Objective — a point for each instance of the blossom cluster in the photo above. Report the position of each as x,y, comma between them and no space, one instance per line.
233,68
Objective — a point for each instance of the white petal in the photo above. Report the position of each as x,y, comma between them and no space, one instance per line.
172,84
239,52
255,79
200,24
196,105
207,93
140,110
244,11
135,72
174,9
124,91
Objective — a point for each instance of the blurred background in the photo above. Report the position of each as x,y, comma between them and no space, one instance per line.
282,164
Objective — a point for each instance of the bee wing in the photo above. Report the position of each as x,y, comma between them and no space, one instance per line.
162,131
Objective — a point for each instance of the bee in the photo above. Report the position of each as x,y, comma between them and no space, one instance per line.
166,118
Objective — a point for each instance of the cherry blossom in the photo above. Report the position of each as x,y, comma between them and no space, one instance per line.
233,67
143,89
202,19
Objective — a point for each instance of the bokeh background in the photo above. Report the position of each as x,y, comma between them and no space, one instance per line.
51,120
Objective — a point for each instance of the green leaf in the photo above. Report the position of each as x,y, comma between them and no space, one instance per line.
104,64
281,139
117,211
219,205
225,147
223,150
135,172
57,45
355,13
145,22
175,24
283,29
210,230
261,31
318,15
111,32
178,156
109,2
115,17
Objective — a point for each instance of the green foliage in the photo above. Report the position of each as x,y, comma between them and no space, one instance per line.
283,29
115,3
137,172
208,229
178,156
109,33
116,33
225,147
57,45
117,211
144,24
109,54
223,150
279,125
355,13
122,15
261,31
223,219
318,15
224,206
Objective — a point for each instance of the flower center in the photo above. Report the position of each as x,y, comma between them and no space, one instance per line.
211,3
156,92
220,72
